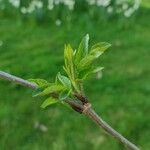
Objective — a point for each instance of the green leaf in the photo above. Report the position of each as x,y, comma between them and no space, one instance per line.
86,62
99,49
95,52
51,89
88,72
64,80
82,51
63,95
84,74
37,92
39,82
49,101
69,65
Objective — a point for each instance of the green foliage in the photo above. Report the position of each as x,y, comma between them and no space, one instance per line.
64,80
82,51
51,89
37,91
49,101
99,48
85,66
64,94
95,52
69,64
78,65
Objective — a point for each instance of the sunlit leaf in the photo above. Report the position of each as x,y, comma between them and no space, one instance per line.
49,101
88,72
86,62
37,92
51,89
84,74
99,49
69,65
96,51
65,94
54,88
64,80
82,51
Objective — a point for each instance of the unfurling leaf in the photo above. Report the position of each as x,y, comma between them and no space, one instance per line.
51,89
63,95
86,62
49,101
84,74
37,92
99,49
64,80
78,65
88,72
82,51
69,65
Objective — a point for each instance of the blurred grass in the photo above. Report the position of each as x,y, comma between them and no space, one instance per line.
122,96
146,3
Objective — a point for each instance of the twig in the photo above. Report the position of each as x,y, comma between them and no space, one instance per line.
31,85
17,80
101,123
87,110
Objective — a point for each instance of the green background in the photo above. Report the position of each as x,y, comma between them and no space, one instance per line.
121,97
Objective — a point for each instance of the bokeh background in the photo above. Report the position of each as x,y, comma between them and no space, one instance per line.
32,38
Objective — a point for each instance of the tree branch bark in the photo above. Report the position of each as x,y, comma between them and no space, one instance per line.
79,107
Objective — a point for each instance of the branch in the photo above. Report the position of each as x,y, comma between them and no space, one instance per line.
101,123
33,86
87,110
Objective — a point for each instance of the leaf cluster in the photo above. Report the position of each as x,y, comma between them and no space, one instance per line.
79,64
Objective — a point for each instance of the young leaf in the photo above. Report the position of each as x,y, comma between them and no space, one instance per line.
69,65
99,48
54,88
95,52
86,62
51,89
63,95
39,82
82,50
49,101
64,80
84,74
37,92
